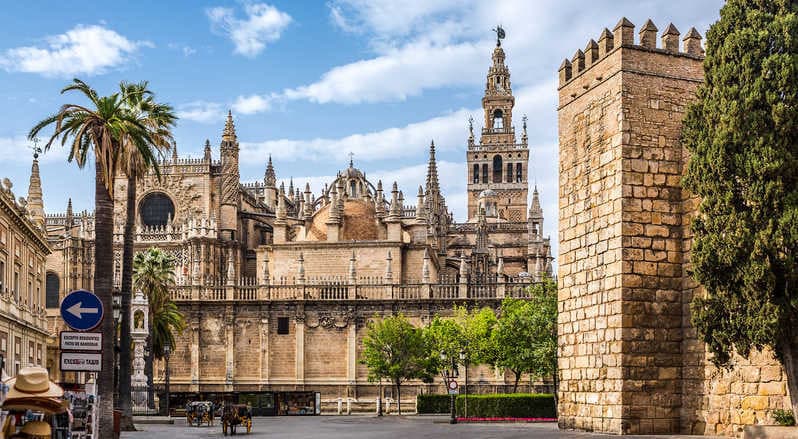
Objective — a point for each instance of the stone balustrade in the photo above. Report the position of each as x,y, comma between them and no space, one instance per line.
247,290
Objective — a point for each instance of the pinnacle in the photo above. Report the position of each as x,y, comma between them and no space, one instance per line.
229,132
591,45
565,64
624,22
605,34
649,26
692,33
671,30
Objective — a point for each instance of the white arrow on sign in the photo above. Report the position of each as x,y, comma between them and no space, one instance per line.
78,312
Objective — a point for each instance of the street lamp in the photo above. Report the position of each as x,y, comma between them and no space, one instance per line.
379,399
463,358
166,351
448,376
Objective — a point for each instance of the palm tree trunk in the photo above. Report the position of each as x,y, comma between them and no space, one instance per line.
103,287
127,283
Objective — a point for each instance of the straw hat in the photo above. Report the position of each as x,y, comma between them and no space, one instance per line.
33,382
36,429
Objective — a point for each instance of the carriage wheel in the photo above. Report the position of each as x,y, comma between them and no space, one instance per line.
249,425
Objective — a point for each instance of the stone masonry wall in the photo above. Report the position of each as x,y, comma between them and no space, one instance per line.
589,266
630,361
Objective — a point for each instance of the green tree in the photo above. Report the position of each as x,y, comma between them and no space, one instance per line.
96,130
395,349
154,275
742,135
158,119
477,327
525,337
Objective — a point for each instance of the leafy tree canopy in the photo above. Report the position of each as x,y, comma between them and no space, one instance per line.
742,135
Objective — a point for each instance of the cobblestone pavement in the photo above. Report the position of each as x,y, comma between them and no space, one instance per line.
356,427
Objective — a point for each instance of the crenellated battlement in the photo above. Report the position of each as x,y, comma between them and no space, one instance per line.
623,35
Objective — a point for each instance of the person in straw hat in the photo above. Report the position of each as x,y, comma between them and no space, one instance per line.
35,430
32,389
32,382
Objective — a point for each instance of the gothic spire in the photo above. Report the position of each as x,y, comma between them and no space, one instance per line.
535,209
207,156
70,218
432,171
270,178
229,133
35,203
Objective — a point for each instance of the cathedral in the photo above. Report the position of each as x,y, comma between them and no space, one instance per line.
278,284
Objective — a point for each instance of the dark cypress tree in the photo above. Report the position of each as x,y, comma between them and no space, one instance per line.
742,135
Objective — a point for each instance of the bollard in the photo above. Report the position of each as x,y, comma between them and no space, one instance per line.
339,406
348,406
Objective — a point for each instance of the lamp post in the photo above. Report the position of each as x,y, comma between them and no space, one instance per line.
166,351
449,375
379,399
463,358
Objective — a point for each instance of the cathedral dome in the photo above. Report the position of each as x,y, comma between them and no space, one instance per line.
359,222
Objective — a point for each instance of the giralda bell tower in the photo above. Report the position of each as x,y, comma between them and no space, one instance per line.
498,162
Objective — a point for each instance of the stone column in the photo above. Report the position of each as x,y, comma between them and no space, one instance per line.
195,348
264,350
229,327
299,326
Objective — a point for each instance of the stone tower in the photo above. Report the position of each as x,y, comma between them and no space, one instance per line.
622,319
229,197
498,162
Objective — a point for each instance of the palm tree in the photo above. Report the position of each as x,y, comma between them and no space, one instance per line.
97,130
154,274
158,119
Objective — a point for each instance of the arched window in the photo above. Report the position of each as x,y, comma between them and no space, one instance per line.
509,173
484,173
51,287
353,189
519,173
498,119
156,209
475,177
497,168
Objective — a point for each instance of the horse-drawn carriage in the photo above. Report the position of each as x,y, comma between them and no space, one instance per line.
199,413
234,415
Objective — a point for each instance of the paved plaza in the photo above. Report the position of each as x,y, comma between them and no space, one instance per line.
354,427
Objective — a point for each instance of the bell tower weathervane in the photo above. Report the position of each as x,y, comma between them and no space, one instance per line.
499,35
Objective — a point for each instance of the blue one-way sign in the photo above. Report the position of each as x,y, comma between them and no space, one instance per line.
82,310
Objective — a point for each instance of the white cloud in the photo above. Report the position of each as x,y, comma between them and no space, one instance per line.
201,111
397,74
82,50
263,24
252,104
17,149
448,131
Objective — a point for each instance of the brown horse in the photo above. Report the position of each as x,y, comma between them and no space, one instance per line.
234,415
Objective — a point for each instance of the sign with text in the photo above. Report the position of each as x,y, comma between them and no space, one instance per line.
81,361
81,341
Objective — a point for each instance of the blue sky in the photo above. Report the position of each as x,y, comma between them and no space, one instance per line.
308,81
